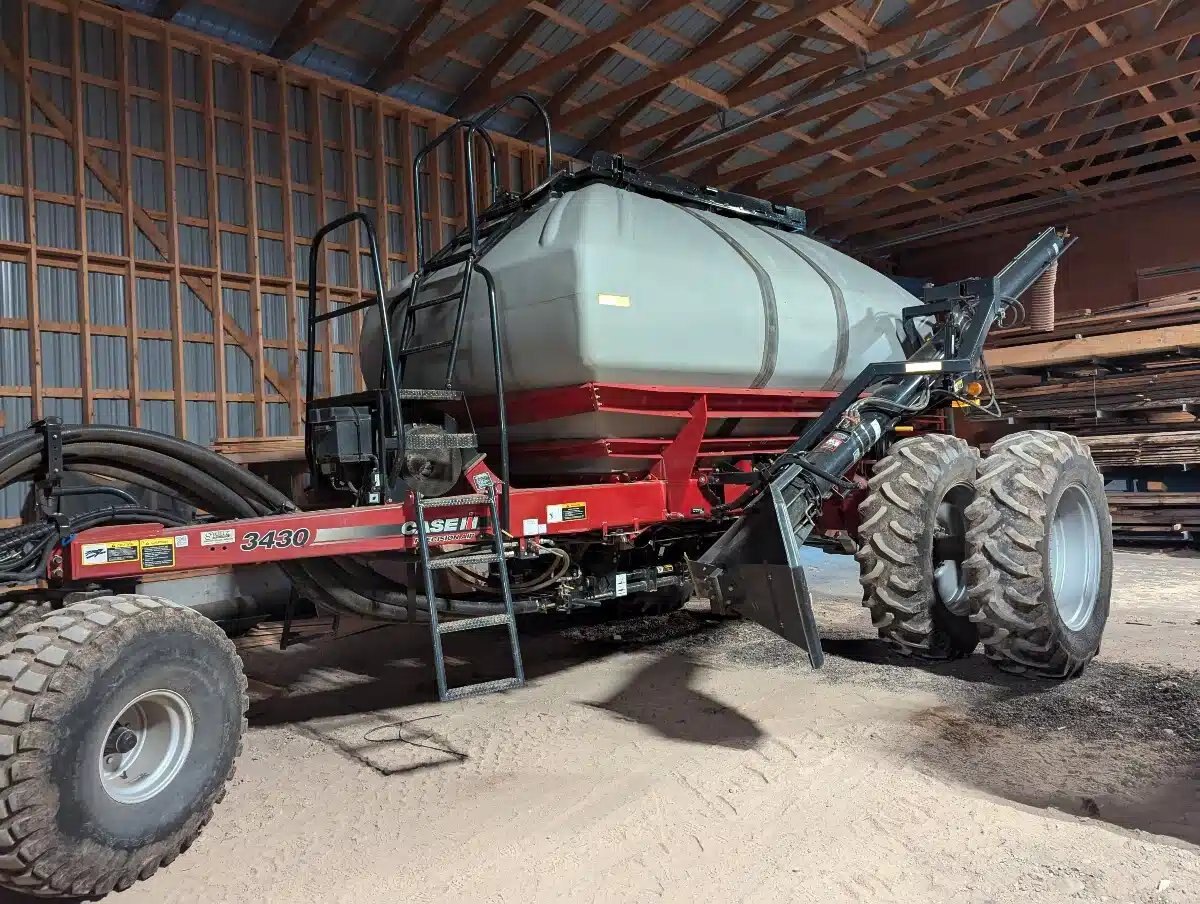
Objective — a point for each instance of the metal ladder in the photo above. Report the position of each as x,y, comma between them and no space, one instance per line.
439,628
481,233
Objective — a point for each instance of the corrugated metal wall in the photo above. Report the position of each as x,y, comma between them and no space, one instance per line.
158,194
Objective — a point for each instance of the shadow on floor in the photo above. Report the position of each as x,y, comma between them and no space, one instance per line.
660,696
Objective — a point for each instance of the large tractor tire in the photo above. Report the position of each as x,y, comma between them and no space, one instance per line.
120,720
912,545
1039,568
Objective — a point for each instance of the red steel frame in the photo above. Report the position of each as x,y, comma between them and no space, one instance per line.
670,489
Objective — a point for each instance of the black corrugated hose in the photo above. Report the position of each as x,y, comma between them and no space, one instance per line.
201,478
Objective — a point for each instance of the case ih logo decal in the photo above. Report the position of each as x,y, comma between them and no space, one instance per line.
443,525
441,528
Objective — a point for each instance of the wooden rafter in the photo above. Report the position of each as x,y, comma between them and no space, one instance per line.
606,137
403,61
1040,182
851,57
1022,37
308,23
466,101
885,201
1059,104
581,51
699,57
958,102
167,9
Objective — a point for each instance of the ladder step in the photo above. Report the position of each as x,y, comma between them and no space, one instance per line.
443,501
427,347
477,558
485,687
472,624
430,395
431,302
442,441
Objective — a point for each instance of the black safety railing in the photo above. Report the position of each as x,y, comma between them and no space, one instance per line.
389,378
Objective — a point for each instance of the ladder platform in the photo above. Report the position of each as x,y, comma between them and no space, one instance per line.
478,558
444,501
485,687
473,624
442,441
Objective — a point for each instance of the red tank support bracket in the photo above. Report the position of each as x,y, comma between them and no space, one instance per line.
737,422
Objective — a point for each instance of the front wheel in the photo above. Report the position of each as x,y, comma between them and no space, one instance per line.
120,719
1039,544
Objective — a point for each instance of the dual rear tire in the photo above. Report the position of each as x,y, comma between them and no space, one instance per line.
1014,551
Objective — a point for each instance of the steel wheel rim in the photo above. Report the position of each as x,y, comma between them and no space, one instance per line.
950,524
1074,554
146,746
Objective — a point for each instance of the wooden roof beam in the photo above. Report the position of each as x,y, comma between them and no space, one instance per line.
307,24
606,137
403,61
501,58
787,80
580,52
1022,37
1033,180
167,9
951,104
1058,213
886,201
783,190
806,12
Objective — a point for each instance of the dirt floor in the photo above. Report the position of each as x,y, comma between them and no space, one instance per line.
679,758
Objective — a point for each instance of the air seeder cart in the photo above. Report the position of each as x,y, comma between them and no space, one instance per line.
614,385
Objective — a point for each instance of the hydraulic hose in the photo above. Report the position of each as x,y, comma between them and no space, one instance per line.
206,481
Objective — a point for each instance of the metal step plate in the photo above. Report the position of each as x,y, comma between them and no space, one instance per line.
481,558
444,501
420,441
430,395
472,624
485,687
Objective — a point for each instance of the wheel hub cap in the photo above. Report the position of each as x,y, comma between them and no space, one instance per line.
1074,553
146,746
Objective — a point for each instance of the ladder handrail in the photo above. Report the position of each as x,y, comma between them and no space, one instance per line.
388,366
539,110
472,129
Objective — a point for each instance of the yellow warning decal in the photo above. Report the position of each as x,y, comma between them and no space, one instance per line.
566,511
158,553
151,554
111,553
615,301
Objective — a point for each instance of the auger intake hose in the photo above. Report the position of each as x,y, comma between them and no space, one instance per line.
206,481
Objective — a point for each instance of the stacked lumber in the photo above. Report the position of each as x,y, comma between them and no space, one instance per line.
262,449
1096,395
1127,382
1157,513
1155,449
1170,310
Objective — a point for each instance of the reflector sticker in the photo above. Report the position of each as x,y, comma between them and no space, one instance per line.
615,301
158,553
566,511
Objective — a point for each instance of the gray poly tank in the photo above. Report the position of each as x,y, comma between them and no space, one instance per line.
603,284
